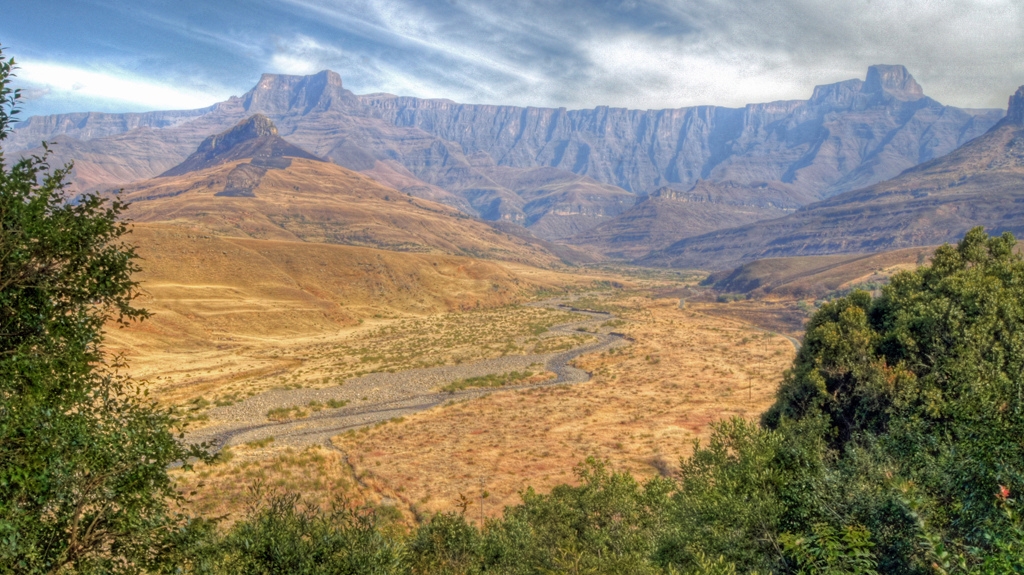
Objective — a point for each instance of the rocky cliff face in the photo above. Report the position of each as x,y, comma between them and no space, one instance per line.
278,94
847,135
979,184
576,163
1015,110
91,125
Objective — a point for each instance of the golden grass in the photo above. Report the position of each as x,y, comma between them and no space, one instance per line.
783,317
320,202
802,277
224,488
642,410
237,316
233,317
450,339
228,374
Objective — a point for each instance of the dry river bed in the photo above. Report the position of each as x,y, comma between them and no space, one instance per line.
379,397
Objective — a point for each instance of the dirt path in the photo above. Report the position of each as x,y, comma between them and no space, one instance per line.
379,397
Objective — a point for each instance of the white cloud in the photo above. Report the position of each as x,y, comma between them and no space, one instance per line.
115,86
302,55
670,53
658,72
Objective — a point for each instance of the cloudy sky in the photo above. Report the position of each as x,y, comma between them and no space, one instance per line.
133,55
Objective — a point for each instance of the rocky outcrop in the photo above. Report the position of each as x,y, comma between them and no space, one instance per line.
1015,110
893,80
255,139
278,94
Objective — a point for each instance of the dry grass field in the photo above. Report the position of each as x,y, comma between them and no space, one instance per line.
236,316
319,275
251,300
816,276
642,410
773,316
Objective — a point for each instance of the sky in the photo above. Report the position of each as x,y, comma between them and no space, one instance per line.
137,55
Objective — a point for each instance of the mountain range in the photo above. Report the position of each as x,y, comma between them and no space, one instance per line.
981,183
618,181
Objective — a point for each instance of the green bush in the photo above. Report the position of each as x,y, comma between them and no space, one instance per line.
922,387
280,535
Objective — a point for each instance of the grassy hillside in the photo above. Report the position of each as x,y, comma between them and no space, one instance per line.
318,202
816,276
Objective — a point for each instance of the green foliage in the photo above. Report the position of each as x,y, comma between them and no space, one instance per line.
281,536
837,373
946,555
447,545
923,386
83,454
826,551
737,494
609,523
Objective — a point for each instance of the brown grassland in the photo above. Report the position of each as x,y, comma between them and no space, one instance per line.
236,316
642,410
256,294
809,277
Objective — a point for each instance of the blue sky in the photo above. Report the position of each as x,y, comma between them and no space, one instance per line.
133,55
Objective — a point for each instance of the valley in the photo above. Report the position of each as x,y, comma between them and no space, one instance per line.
639,402
330,335
665,288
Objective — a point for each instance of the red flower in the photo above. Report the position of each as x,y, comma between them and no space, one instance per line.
1004,492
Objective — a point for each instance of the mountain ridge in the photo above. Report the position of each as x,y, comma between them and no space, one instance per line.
980,183
847,135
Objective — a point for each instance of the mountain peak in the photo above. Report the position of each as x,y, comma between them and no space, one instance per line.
251,128
1015,109
882,79
254,137
281,93
894,80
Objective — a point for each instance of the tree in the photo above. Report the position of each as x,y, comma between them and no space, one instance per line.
922,390
83,454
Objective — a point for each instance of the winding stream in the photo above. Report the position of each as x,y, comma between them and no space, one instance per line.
379,397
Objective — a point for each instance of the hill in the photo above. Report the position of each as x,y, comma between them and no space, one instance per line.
204,287
815,276
981,183
254,138
668,215
260,186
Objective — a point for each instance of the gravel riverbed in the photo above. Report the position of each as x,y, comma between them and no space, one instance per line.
382,396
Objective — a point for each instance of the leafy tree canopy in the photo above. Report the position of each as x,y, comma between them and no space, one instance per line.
83,454
925,384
